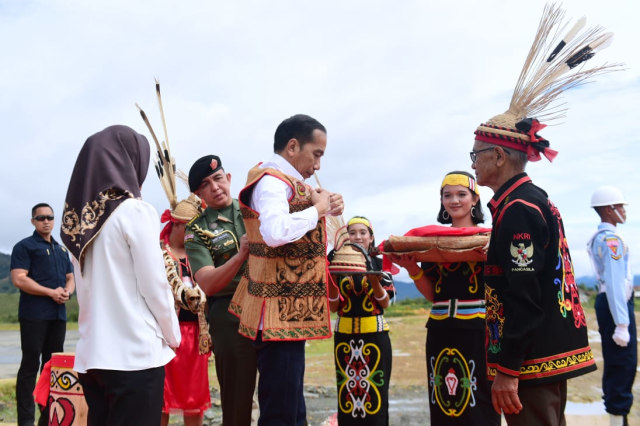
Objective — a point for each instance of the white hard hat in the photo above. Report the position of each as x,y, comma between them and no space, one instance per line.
607,196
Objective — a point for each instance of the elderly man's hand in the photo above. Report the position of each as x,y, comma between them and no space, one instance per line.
504,394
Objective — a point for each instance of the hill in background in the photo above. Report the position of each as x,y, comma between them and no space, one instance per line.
405,289
6,286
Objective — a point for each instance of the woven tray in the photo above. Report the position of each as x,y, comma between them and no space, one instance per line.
439,248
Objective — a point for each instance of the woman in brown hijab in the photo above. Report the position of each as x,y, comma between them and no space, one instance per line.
127,325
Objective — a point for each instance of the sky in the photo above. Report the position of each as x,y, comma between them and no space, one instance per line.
400,87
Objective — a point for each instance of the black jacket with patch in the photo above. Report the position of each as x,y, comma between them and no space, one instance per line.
536,328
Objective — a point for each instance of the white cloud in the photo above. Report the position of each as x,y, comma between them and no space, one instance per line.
400,87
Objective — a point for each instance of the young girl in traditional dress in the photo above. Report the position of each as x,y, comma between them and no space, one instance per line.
186,383
362,348
459,392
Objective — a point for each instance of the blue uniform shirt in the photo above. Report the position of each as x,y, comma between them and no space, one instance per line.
610,257
47,264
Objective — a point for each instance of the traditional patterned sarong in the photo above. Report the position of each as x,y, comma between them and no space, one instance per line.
362,352
459,391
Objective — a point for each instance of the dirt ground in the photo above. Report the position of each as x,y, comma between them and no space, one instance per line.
408,391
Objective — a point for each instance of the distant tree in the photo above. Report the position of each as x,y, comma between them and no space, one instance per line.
6,286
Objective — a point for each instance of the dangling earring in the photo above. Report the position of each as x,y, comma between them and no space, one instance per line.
445,215
473,211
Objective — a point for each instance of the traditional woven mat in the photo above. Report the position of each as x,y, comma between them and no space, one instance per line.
439,248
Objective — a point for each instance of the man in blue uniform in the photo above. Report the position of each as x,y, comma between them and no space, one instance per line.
42,270
614,304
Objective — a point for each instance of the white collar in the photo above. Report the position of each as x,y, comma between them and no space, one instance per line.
278,162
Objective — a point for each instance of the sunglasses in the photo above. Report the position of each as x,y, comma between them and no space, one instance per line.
41,218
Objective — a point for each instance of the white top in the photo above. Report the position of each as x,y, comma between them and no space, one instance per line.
270,198
127,319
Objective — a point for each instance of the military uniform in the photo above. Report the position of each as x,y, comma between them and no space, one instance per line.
536,327
211,239
614,305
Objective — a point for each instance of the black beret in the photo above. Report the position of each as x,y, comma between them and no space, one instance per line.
201,169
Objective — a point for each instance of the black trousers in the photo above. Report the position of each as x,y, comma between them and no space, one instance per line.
236,366
620,363
38,339
120,398
280,385
541,405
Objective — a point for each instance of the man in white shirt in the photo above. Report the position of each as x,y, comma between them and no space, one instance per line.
282,299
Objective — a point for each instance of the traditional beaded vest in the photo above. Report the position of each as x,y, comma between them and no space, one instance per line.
288,283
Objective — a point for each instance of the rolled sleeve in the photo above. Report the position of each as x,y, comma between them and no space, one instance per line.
20,258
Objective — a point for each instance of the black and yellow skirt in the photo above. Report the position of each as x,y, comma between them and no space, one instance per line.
362,352
459,391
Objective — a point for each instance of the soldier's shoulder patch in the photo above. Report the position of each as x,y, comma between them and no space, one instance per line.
614,247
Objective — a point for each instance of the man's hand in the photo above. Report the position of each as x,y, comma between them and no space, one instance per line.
243,250
336,204
60,295
621,335
504,394
321,199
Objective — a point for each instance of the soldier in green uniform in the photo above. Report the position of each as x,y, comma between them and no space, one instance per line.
217,251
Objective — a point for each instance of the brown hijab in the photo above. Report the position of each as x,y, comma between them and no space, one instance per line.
110,168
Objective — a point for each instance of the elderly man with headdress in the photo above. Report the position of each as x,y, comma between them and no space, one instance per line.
217,250
127,325
537,331
186,384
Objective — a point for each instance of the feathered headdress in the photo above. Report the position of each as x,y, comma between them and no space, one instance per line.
554,64
165,164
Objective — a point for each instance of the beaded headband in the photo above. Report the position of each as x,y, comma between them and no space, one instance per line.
460,179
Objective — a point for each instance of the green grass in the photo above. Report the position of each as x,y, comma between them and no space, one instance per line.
9,309
407,307
7,400
404,316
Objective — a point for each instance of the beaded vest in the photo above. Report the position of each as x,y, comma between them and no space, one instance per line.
288,283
